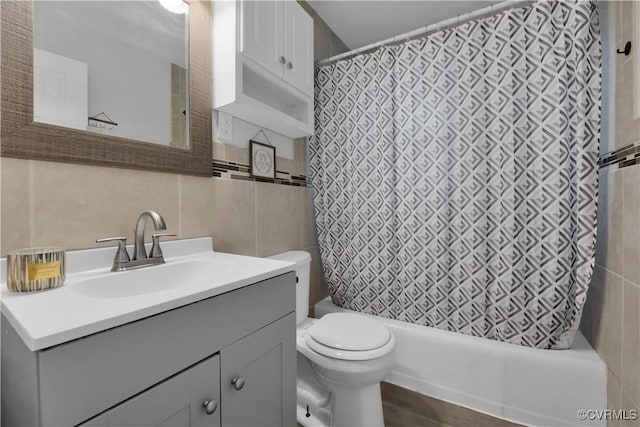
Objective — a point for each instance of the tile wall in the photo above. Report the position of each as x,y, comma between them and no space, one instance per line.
611,320
68,205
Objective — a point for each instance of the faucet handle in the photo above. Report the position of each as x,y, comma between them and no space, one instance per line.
156,252
121,254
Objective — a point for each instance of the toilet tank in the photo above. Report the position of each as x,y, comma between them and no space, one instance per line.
302,260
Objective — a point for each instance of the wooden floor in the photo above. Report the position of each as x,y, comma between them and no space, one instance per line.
406,408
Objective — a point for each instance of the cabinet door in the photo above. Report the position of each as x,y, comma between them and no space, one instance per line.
258,375
177,401
298,42
262,33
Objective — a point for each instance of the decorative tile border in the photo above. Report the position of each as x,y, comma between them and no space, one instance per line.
628,155
235,170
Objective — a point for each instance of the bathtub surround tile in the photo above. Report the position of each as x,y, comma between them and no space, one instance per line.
627,125
602,232
609,337
628,405
626,25
602,318
614,396
404,407
592,312
631,342
14,181
631,238
611,219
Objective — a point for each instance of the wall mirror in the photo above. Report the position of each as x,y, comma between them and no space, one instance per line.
124,83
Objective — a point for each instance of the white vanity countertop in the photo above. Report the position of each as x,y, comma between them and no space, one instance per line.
80,308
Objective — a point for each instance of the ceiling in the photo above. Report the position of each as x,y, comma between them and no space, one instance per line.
359,23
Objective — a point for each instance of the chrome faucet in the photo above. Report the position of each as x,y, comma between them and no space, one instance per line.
139,252
122,261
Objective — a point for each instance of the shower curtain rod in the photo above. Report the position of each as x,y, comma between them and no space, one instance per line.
489,10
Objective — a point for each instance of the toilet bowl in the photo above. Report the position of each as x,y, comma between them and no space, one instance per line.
342,358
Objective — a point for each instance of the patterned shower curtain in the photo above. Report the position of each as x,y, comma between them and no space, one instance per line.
455,175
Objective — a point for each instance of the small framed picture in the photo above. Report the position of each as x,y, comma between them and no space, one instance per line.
263,160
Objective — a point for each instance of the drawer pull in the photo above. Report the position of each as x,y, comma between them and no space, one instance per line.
238,383
210,406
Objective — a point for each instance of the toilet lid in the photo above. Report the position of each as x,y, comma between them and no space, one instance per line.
349,332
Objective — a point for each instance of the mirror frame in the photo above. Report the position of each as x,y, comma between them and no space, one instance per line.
21,137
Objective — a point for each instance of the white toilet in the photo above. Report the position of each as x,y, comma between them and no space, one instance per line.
341,360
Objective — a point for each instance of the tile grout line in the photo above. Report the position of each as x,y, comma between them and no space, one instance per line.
255,218
32,211
179,207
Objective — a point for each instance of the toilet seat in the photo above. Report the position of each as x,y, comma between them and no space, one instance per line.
348,336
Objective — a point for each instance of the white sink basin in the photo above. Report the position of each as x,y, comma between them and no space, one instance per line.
94,299
152,279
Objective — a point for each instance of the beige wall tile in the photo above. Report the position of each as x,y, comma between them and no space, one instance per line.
236,154
300,153
222,209
201,201
285,165
15,204
218,151
631,236
278,219
631,341
76,204
235,229
307,230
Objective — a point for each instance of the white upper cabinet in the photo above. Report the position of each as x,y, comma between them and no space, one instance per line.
262,33
298,47
263,64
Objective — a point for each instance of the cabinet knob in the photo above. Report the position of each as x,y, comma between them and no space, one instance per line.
290,65
238,383
283,59
210,406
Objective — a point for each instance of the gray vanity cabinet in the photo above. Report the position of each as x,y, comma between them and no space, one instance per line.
255,372
178,401
160,370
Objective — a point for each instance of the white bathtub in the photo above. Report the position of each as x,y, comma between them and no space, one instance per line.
524,385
